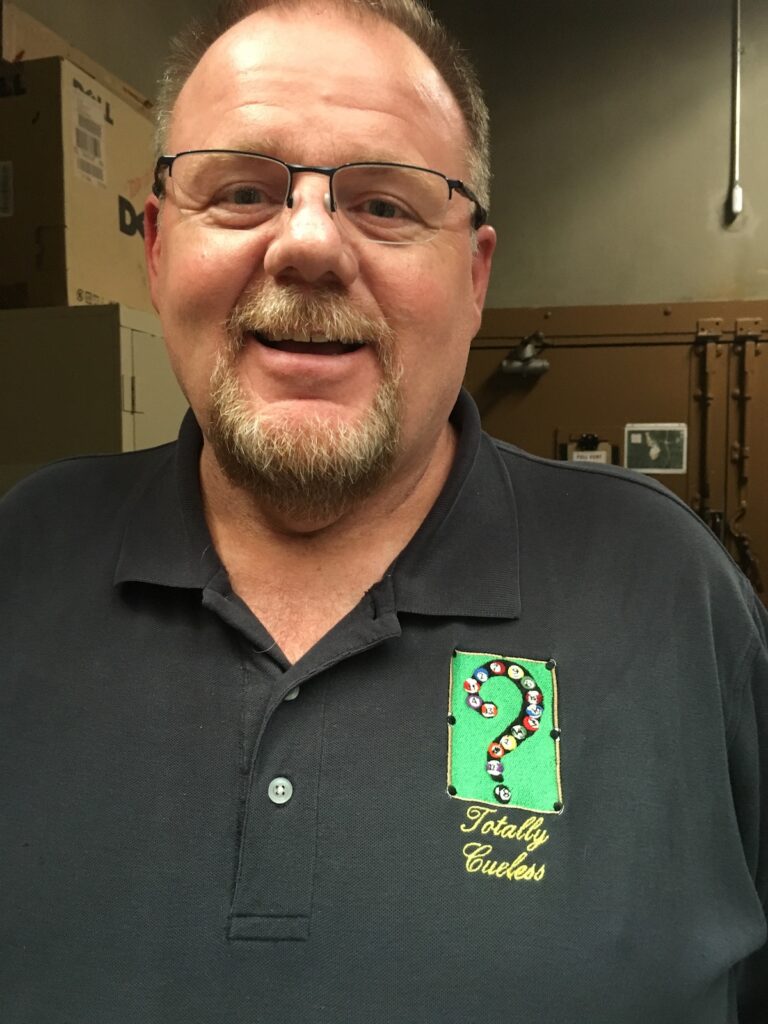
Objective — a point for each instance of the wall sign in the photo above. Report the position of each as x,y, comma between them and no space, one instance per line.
656,447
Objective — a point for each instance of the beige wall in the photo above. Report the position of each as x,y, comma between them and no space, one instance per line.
612,137
127,37
612,148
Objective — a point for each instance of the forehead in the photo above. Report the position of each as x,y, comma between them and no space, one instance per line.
314,86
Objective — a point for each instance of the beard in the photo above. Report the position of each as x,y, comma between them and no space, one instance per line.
313,467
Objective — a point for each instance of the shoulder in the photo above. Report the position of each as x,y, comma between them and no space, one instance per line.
629,558
605,522
76,495
596,491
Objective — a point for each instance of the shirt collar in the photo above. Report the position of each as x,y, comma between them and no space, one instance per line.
462,561
166,540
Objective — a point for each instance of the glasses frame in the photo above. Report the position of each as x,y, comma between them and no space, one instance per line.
479,217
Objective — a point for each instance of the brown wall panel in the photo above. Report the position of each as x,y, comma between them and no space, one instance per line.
594,390
612,366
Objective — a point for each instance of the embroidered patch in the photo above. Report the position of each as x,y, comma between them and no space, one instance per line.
503,734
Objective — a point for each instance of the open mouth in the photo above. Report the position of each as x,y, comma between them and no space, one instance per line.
313,345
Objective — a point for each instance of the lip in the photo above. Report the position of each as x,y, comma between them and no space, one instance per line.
323,348
296,365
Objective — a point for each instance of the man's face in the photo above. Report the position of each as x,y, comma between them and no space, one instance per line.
315,88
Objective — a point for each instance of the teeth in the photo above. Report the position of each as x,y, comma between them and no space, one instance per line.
305,337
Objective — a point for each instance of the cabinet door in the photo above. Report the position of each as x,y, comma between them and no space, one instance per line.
60,382
158,404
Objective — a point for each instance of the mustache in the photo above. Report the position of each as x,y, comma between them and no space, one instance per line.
293,311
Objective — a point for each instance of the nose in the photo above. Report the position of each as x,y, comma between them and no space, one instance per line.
308,244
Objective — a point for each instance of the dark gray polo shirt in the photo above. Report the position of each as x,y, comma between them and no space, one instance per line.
195,831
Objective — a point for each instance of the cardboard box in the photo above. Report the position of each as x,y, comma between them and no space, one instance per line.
75,168
22,37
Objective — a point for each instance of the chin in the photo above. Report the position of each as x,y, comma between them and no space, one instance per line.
305,458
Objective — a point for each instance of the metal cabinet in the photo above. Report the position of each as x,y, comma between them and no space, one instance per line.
573,382
81,379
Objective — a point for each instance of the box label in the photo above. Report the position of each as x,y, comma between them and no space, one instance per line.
89,139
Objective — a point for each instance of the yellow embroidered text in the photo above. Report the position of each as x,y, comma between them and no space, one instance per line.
476,859
484,821
480,857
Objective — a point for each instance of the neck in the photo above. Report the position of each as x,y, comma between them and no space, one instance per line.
323,567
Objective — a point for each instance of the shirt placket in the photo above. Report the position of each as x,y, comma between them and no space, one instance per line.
277,834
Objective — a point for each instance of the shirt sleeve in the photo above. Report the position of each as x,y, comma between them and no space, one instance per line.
749,777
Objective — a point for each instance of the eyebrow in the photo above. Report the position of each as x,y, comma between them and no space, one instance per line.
270,147
265,145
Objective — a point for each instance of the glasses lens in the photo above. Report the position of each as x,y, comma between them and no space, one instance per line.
391,204
235,190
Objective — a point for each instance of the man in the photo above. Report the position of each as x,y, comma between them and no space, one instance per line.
338,710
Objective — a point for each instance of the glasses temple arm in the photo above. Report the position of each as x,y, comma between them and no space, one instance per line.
480,216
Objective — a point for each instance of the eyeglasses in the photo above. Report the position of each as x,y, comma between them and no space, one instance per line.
383,202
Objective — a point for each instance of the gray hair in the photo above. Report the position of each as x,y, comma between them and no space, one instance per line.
411,16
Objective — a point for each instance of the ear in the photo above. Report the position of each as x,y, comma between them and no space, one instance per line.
153,246
482,258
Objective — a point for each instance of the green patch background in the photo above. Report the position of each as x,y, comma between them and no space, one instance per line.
530,771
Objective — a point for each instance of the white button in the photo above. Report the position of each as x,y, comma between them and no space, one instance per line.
292,694
280,790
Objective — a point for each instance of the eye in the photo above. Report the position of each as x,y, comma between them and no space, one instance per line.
384,217
376,200
244,204
230,189
384,208
243,195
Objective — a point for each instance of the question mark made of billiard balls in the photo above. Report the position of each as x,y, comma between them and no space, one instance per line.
519,729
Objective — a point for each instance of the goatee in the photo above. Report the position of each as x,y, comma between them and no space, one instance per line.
314,468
